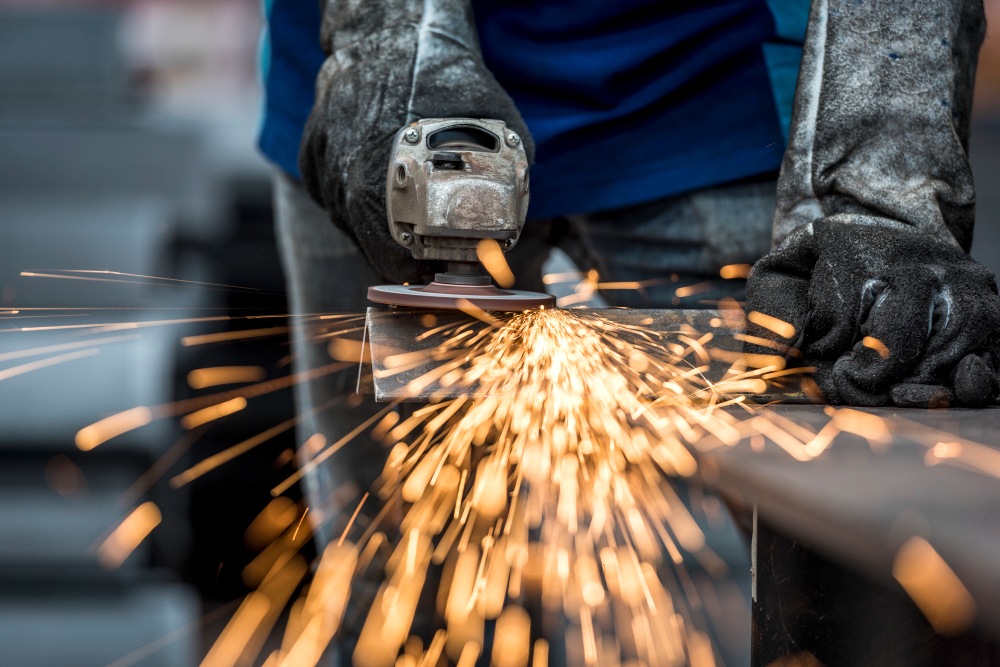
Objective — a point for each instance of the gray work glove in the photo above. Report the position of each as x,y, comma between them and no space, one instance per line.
875,211
389,64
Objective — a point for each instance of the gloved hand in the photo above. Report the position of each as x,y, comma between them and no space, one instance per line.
876,208
882,313
390,63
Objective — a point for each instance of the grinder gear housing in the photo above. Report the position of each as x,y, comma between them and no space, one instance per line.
450,184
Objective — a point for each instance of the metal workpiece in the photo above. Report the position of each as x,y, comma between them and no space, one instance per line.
450,295
452,182
829,531
390,332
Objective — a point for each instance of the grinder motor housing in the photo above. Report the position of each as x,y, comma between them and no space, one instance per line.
450,184
454,181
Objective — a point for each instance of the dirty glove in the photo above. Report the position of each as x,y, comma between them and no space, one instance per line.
875,212
389,64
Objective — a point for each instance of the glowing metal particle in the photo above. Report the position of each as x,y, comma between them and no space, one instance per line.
128,535
934,586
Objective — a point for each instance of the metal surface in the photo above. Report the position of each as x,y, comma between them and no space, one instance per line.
454,296
806,603
397,330
855,506
452,182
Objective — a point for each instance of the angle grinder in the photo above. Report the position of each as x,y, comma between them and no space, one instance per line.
451,183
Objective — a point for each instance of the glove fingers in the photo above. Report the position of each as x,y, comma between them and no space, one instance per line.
912,395
959,328
973,385
974,381
894,337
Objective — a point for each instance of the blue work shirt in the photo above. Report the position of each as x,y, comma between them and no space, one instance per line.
627,101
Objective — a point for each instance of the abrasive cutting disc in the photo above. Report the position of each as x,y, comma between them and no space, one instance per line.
446,295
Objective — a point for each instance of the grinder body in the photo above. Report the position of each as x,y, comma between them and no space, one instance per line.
459,182
452,182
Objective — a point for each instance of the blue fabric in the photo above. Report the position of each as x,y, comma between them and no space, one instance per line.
783,52
628,101
633,100
291,56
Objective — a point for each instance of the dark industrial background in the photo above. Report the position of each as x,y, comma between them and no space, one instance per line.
127,143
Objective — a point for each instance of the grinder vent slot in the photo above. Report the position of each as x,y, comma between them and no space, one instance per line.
464,138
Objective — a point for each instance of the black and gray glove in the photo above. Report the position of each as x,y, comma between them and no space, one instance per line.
876,209
390,63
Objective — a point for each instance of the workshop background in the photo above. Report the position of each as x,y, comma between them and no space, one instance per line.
127,143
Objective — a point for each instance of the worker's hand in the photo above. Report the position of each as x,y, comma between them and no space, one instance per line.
875,211
390,63
882,313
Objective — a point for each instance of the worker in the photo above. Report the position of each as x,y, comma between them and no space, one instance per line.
655,135
666,140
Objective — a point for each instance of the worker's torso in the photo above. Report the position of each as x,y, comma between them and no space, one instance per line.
628,101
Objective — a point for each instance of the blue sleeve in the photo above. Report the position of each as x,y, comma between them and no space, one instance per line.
291,57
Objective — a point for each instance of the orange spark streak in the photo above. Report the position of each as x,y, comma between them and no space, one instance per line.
253,391
691,290
95,434
472,310
350,523
45,363
200,378
877,345
767,342
231,453
65,346
176,280
329,451
213,412
788,371
934,586
735,271
31,274
301,519
100,432
489,253
780,327
126,325
204,339
128,535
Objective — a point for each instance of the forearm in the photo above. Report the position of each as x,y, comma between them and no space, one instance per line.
389,64
880,123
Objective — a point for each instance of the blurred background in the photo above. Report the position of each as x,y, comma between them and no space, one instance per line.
127,143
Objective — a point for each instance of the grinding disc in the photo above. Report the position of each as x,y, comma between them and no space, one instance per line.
445,295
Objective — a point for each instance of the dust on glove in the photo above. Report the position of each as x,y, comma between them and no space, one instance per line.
389,64
875,211
883,314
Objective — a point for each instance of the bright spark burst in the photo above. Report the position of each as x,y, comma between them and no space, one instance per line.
549,480
576,425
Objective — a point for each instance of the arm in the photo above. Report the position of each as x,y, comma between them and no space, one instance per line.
876,206
390,63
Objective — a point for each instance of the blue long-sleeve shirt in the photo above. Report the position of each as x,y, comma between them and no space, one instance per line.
627,101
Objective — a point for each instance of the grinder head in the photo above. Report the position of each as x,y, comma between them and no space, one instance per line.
450,184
